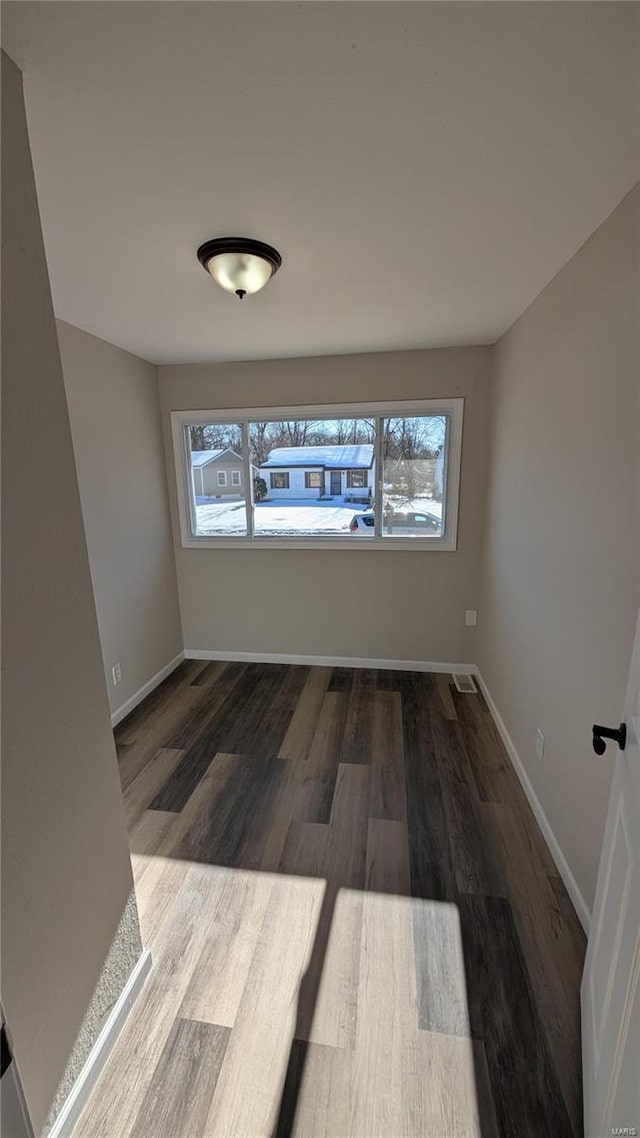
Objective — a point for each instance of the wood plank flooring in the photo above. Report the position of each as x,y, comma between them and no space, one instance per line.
357,929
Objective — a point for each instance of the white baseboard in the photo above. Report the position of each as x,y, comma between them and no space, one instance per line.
101,1049
329,661
145,690
579,903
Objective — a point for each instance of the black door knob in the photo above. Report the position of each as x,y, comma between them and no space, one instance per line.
600,734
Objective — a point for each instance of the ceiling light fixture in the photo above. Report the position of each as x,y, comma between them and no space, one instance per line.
239,264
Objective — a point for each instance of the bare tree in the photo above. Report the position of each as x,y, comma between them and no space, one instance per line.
216,436
297,432
261,442
410,448
198,440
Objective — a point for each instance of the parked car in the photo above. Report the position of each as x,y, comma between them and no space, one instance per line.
399,520
363,523
412,519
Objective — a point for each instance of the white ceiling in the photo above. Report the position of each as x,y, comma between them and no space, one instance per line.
423,168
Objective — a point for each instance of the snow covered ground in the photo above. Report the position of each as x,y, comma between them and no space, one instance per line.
277,518
282,519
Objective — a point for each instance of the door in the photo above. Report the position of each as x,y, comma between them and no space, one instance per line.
336,483
611,981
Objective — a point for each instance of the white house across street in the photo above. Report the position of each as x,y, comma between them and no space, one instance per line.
321,472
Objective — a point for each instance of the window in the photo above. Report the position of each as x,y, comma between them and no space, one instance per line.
356,479
212,517
413,450
312,450
279,481
399,490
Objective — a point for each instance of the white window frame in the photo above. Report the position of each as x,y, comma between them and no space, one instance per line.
221,476
452,408
235,478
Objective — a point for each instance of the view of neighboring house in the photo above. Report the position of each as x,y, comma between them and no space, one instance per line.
217,473
343,471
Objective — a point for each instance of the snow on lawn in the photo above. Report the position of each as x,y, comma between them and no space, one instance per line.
277,518
228,519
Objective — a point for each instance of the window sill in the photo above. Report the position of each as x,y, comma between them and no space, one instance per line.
418,544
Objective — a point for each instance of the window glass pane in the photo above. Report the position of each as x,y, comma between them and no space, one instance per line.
356,479
304,473
279,480
414,464
217,480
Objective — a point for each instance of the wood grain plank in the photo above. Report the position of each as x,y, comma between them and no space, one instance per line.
179,1096
242,723
200,736
492,770
447,1089
432,873
474,863
299,737
211,673
216,986
387,787
341,680
306,849
503,1013
247,1097
444,683
386,1013
244,814
358,725
440,968
553,945
315,1097
132,1063
148,783
386,997
167,871
318,775
149,832
145,839
157,732
349,817
269,727
130,729
388,679
210,702
330,1013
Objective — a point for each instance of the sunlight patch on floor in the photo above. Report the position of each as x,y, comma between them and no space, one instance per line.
364,1066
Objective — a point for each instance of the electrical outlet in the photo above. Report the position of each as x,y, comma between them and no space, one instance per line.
116,674
471,617
539,745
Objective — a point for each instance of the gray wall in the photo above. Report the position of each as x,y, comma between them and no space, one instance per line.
117,440
66,875
383,604
562,567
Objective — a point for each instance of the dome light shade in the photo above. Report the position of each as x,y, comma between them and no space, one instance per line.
238,264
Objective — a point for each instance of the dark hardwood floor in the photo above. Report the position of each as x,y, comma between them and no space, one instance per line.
356,925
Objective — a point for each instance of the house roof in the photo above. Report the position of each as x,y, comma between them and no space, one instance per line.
203,457
350,456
